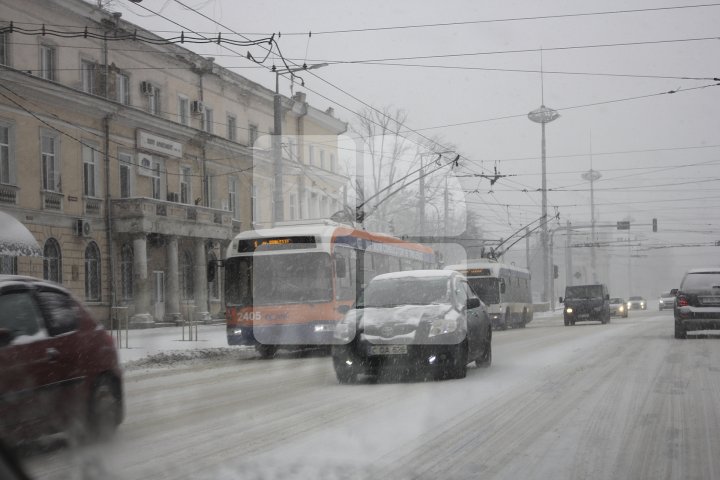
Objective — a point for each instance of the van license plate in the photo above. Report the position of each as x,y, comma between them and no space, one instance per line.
388,349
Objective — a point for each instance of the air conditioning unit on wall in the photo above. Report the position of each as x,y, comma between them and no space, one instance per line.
82,228
196,106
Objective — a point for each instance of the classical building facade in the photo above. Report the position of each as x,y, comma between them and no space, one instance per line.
133,163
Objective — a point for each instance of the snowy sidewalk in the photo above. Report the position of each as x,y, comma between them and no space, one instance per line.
146,342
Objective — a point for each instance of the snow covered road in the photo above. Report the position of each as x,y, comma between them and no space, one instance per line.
618,401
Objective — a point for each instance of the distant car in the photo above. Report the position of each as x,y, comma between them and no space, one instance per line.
618,307
413,321
59,369
586,302
637,303
666,300
697,304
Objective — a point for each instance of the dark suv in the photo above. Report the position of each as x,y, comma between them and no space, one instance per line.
697,301
59,368
586,302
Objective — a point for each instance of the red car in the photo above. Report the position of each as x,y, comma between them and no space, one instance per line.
59,369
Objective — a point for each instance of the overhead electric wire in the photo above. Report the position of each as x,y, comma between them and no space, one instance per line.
497,20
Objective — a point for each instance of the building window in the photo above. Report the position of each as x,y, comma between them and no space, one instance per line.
47,62
7,163
314,205
186,276
232,193
208,122
87,69
214,286
4,49
232,128
333,163
183,110
126,272
311,154
154,101
8,265
90,170
92,273
185,179
252,135
52,261
126,161
293,207
155,179
122,88
210,183
322,160
50,163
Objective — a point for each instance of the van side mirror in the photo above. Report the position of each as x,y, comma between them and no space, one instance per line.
607,296
473,302
502,285
673,291
560,300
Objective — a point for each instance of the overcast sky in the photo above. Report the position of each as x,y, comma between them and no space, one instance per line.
659,156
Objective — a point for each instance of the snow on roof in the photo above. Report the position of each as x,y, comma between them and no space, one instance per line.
416,274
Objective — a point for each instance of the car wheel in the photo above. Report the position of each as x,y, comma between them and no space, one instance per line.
567,322
680,331
266,351
105,409
504,326
523,321
458,369
345,375
485,359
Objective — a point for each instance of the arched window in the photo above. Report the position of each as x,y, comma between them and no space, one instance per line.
52,261
186,276
92,273
126,272
214,286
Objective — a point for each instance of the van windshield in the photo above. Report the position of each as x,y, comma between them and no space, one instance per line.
584,291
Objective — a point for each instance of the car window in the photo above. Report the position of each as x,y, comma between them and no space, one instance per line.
20,315
61,312
705,281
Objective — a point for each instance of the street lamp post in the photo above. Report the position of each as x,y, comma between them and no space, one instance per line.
278,202
542,116
592,175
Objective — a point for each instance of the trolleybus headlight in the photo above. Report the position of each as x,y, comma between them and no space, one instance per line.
237,331
324,328
620,308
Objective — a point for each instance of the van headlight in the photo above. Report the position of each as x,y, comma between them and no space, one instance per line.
441,326
345,329
568,310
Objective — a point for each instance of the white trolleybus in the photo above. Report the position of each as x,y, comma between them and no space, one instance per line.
505,289
290,285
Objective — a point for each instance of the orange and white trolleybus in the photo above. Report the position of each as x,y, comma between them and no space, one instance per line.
289,285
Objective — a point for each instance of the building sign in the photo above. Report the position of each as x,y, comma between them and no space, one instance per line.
156,143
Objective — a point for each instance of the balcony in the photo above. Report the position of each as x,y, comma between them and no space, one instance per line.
93,206
52,200
8,194
147,215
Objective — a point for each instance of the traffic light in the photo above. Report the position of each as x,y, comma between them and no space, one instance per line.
556,271
654,224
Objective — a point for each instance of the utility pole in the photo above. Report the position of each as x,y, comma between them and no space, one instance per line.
278,198
421,188
592,175
568,255
527,248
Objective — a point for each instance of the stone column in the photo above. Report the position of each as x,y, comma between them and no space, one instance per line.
200,284
172,284
141,284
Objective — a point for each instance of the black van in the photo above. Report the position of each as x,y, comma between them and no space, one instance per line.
586,303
